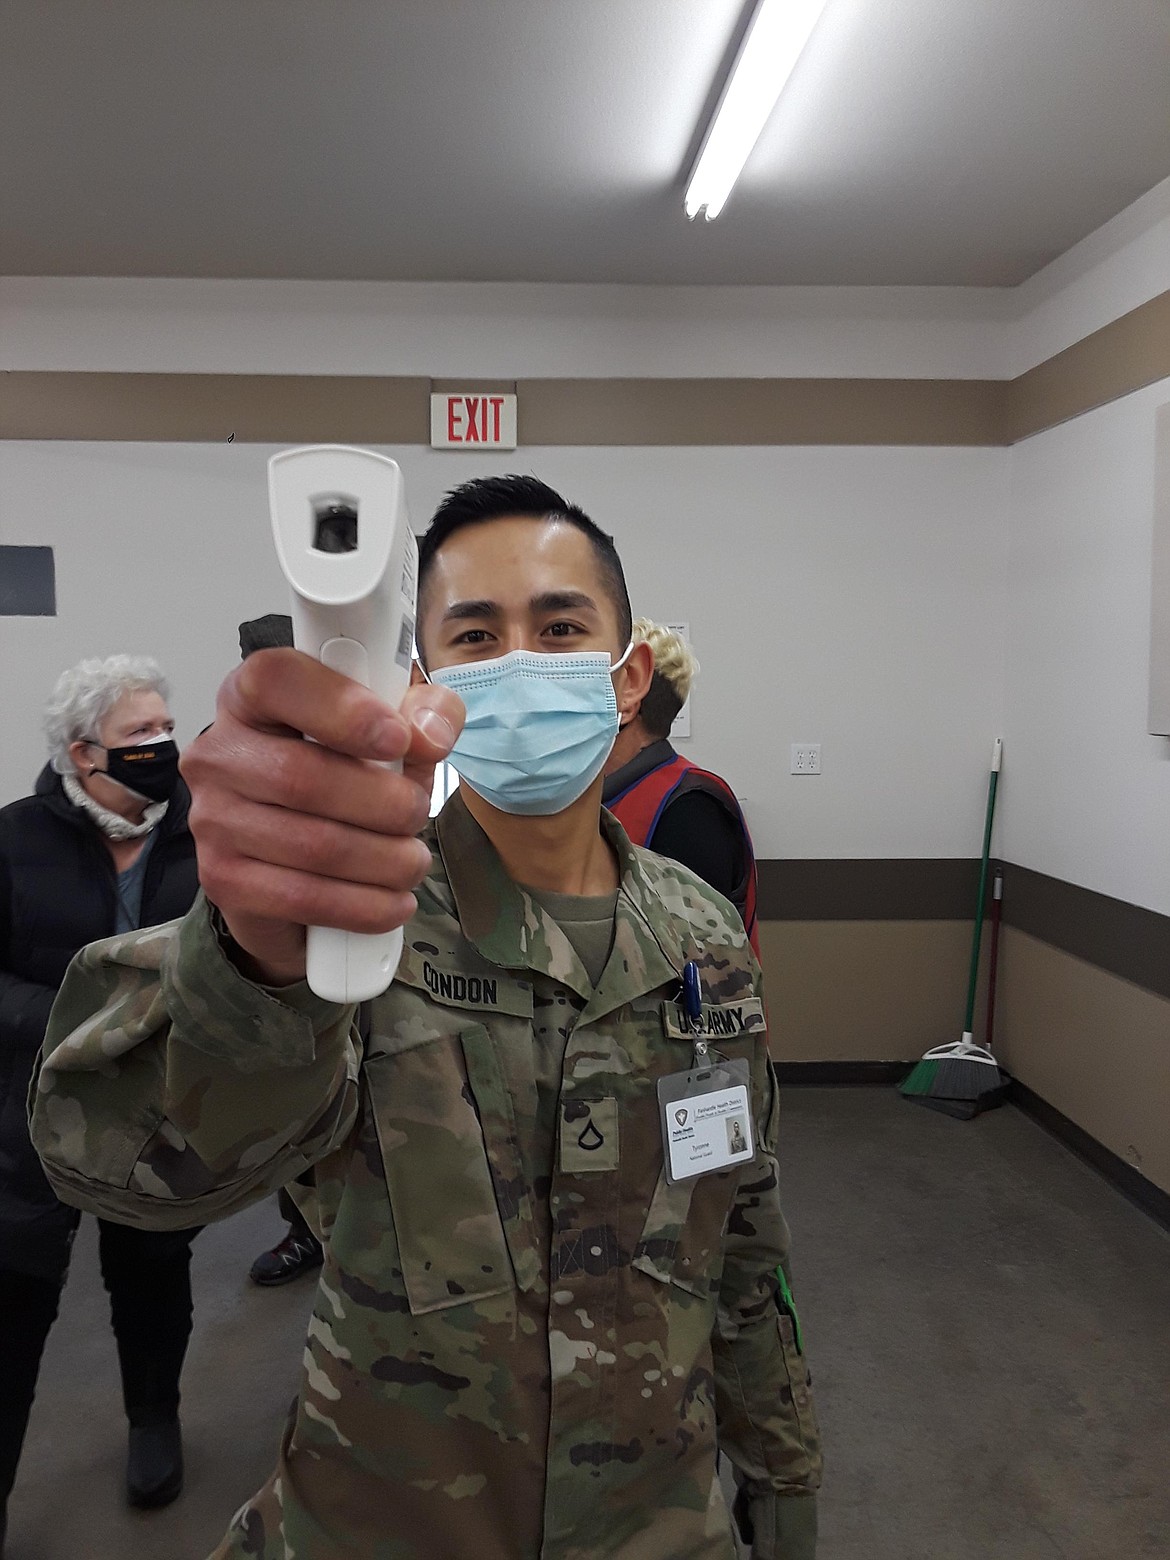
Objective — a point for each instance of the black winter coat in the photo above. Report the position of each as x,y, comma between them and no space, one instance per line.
57,893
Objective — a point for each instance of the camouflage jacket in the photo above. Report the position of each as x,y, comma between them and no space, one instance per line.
524,1339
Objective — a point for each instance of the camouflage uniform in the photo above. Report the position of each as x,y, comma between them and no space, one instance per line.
523,1338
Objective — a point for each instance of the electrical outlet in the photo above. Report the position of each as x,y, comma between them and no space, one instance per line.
806,758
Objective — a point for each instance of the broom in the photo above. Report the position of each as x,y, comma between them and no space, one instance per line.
962,1079
993,961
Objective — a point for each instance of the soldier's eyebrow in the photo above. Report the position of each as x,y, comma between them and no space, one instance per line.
561,601
546,601
459,610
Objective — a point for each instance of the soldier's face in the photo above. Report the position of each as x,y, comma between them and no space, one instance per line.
515,584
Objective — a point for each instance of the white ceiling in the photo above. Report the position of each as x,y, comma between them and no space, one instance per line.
919,141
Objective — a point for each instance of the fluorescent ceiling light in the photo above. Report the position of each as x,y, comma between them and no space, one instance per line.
771,47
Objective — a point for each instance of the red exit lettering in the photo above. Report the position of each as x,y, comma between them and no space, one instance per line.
474,419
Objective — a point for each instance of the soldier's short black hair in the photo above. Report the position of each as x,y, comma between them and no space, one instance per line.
493,498
659,707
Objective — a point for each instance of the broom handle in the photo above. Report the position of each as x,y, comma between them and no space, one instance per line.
993,965
996,760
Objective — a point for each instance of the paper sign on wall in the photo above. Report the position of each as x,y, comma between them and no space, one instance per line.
470,418
681,727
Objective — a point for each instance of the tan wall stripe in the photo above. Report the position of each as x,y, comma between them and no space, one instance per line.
762,411
211,408
1121,357
281,408
1125,355
1126,940
899,889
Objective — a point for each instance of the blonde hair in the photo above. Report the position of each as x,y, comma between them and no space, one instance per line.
673,657
675,669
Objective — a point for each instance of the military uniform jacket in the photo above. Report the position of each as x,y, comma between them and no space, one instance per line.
524,1338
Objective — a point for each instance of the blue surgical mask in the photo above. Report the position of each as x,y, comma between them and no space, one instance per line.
539,728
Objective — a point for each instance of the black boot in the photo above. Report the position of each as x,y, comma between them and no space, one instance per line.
296,1254
154,1464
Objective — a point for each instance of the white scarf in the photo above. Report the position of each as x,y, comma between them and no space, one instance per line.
112,824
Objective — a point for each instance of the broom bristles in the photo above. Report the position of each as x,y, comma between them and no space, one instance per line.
920,1080
963,1078
957,1078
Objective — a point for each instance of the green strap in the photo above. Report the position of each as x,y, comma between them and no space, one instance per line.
790,1307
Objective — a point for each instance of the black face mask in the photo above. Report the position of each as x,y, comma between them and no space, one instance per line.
150,771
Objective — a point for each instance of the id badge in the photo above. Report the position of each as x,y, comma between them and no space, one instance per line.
706,1120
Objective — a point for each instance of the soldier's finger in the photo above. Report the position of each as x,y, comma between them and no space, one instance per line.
283,690
242,887
275,836
233,760
435,716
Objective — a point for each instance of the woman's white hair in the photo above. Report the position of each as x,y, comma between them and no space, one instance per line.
85,695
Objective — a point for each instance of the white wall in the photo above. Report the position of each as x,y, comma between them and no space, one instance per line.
846,596
867,599
523,330
1086,793
507,331
1122,265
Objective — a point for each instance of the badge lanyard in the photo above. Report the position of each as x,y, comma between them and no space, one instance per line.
704,1114
693,1007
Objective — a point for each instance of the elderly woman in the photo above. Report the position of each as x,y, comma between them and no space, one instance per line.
102,846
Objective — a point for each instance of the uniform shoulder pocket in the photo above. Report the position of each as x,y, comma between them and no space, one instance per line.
448,1147
447,1219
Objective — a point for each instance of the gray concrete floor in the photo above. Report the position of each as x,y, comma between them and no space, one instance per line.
989,1325
241,1374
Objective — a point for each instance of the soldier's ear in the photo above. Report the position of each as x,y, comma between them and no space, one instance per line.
632,682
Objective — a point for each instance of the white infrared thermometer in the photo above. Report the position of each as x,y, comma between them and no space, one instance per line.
347,550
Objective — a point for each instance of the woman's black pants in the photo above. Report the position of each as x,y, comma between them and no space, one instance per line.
147,1274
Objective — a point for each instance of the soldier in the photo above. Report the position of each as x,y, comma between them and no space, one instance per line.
527,1333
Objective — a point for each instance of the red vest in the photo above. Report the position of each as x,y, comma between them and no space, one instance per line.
641,805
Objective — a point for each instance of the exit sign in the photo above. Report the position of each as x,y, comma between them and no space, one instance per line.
468,418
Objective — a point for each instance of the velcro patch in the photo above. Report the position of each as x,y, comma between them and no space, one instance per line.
482,990
589,1135
720,1019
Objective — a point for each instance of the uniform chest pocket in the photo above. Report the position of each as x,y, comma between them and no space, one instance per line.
682,1238
443,1193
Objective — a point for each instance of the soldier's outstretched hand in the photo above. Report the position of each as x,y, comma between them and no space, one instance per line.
292,833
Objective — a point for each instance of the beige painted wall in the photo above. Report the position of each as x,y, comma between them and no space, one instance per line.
1091,1044
863,990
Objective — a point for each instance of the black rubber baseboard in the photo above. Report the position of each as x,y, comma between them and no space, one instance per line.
1132,1184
